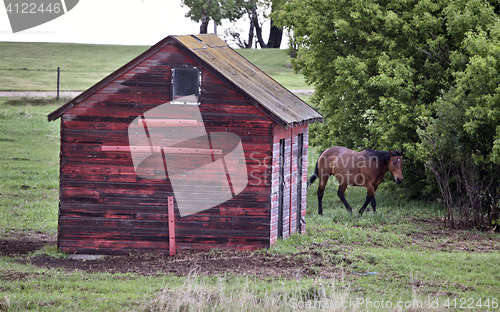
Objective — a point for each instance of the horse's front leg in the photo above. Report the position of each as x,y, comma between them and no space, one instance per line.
370,198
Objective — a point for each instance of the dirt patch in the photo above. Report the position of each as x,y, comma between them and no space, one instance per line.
10,275
17,244
439,238
305,263
323,259
222,262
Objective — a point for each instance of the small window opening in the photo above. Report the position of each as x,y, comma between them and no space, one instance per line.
186,85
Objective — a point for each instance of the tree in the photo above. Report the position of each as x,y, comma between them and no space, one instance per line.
217,10
276,32
380,68
255,10
461,143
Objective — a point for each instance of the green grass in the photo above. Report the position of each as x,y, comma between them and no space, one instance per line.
30,288
33,66
276,63
29,166
410,262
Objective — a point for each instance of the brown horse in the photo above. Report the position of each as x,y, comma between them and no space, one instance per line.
366,168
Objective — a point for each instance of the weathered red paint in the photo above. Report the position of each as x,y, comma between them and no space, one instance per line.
106,208
171,225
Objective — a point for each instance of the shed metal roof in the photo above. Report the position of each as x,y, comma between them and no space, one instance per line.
260,89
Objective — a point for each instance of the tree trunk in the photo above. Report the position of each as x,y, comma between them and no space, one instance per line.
258,30
275,36
250,34
204,23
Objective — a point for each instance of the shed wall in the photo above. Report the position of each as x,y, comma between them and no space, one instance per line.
106,208
291,194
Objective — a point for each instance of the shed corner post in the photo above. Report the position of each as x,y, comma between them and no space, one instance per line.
171,226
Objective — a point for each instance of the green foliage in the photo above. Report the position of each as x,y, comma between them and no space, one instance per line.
381,67
216,10
460,142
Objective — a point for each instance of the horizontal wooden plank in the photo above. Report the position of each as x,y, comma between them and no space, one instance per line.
255,186
210,95
237,206
153,213
147,74
125,247
75,189
126,240
112,104
94,193
154,227
209,241
135,194
186,247
98,161
256,177
78,163
69,117
256,181
142,230
240,211
118,89
232,118
103,246
97,137
170,52
255,153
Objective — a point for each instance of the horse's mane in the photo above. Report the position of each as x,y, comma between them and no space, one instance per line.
382,156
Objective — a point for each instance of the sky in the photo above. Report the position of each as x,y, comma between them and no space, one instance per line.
122,22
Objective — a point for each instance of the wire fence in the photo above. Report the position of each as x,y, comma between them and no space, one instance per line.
43,70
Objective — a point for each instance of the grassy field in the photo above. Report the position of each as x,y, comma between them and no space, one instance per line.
401,256
33,66
401,259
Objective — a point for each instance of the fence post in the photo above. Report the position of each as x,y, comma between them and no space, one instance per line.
58,77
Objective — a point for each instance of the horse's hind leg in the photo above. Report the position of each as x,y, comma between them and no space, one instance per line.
374,204
320,201
321,192
341,194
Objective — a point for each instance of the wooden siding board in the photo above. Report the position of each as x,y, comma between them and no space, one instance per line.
290,178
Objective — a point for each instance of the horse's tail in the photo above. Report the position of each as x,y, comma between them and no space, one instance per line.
315,174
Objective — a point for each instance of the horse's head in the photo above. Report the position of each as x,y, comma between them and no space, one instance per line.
396,166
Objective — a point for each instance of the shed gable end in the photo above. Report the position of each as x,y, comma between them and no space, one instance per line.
105,207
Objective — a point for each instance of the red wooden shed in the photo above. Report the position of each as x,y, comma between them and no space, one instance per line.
189,146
